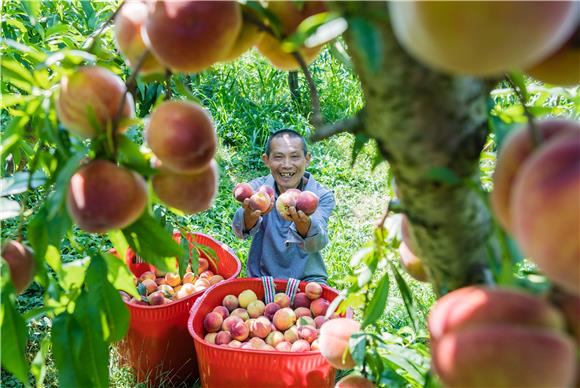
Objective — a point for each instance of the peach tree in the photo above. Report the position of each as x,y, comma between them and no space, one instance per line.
429,73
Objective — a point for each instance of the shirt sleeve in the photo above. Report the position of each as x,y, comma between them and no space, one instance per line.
317,236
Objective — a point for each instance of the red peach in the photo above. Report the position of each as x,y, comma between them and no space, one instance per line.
230,321
305,321
284,318
319,321
313,290
239,331
282,299
307,201
215,279
271,309
221,310
302,312
301,300
243,191
212,322
240,312
319,306
268,190
333,341
308,333
286,200
172,279
284,346
223,338
261,327
300,346
21,264
260,201
156,298
230,302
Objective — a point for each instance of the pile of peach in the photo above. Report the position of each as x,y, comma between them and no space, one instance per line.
246,322
163,288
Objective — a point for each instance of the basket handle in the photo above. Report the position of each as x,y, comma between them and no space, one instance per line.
292,288
269,288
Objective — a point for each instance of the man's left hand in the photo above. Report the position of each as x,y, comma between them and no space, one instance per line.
301,220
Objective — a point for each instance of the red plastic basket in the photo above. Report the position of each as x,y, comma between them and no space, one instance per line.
221,366
158,345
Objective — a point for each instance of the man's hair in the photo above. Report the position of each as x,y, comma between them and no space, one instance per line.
290,133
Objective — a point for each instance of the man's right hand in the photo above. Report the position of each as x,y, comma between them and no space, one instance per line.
251,216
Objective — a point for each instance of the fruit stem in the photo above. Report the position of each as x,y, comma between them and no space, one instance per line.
534,133
25,197
101,29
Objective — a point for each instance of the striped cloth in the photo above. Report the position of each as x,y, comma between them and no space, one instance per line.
269,288
292,288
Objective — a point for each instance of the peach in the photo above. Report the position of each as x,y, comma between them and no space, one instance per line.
186,290
248,36
319,306
412,264
313,290
284,346
201,282
268,190
307,201
213,322
290,16
150,286
291,334
320,320
271,309
21,264
156,298
284,318
260,201
512,336
230,321
261,327
172,279
308,333
89,100
246,297
215,279
221,310
354,381
302,312
190,36
147,275
167,290
431,33
138,302
274,338
223,338
257,343
210,337
125,297
239,331
188,277
300,346
286,200
235,344
515,151
333,341
190,193
240,312
103,196
206,274
256,308
561,67
230,302
282,299
202,265
243,191
127,28
301,300
305,321
182,135
550,235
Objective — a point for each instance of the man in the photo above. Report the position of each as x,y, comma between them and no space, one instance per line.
282,248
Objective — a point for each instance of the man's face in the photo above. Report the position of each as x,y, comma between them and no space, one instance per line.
286,161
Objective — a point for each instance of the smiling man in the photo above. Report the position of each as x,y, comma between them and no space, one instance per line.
282,248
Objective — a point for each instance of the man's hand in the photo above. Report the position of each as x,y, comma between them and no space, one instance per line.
251,216
301,220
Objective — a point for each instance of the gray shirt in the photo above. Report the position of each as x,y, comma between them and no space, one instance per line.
277,248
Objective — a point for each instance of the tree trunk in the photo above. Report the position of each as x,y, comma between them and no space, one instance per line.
423,120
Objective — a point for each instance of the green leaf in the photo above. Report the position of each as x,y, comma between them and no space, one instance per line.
8,209
376,306
119,243
519,80
359,142
366,36
38,366
407,296
442,175
357,347
119,275
184,90
73,274
13,333
130,155
500,129
56,199
38,233
153,243
102,294
9,100
18,75
18,183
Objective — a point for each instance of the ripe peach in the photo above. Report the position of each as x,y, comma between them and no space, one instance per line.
320,320
215,279
257,343
284,318
268,190
190,36
125,297
21,264
202,265
230,302
186,290
221,310
242,313
307,201
429,32
243,191
246,297
261,327
412,264
290,16
354,381
89,100
213,322
551,175
515,151
167,290
271,309
188,277
150,286
319,306
223,338
274,338
147,275
210,337
282,299
235,344
182,135
291,334
206,274
172,279
512,336
300,346
333,341
138,302
239,331
284,346
302,312
305,321
286,200
561,67
229,322
128,24
301,300
313,290
260,201
103,196
156,298
256,308
190,193
308,333
201,282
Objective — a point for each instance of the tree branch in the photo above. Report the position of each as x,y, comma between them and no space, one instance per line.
351,125
95,35
534,133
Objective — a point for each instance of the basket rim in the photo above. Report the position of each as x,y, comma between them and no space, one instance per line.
202,342
198,293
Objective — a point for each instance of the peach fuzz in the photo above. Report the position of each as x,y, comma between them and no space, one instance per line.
333,341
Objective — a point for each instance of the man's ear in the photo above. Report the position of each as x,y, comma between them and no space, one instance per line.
266,160
308,157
